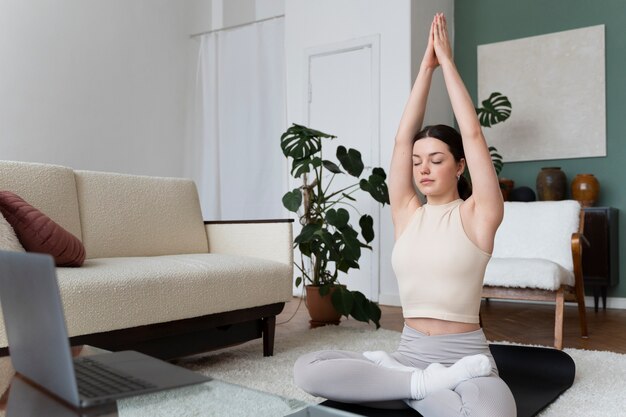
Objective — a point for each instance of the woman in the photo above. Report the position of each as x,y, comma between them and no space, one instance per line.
443,366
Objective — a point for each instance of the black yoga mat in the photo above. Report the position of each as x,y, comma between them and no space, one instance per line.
536,376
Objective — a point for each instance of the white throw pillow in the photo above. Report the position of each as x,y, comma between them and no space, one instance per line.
8,239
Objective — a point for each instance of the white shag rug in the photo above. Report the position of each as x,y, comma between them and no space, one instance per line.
597,389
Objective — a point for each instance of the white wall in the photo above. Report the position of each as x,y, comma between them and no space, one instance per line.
94,84
200,16
109,85
403,26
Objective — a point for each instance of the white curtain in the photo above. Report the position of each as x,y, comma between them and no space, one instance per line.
242,115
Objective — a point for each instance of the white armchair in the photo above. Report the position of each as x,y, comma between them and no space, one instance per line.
537,256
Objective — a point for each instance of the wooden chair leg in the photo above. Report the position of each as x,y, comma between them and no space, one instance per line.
582,312
558,319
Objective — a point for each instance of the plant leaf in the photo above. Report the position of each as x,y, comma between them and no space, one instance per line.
496,158
348,197
367,227
324,290
305,248
300,142
375,313
497,108
376,186
292,200
332,167
298,281
351,249
331,247
300,166
343,300
360,307
344,265
350,160
338,218
307,233
335,246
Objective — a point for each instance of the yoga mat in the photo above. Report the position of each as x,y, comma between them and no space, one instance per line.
535,375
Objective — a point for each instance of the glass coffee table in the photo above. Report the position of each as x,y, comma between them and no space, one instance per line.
213,398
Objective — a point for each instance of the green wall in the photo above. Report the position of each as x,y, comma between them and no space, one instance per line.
479,22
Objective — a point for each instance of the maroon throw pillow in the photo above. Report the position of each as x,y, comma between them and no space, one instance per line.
38,233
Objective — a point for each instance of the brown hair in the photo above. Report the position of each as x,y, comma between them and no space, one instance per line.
452,138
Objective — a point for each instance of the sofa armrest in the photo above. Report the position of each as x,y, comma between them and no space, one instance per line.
266,239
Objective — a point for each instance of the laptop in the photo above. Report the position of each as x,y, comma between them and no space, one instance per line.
40,348
25,400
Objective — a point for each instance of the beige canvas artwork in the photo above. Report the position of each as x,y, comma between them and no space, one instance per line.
556,85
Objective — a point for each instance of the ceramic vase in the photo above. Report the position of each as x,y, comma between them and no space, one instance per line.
551,184
585,189
506,185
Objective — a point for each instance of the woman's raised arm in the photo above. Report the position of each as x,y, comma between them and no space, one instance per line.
402,193
485,204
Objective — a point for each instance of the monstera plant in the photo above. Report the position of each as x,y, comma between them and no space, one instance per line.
496,109
328,242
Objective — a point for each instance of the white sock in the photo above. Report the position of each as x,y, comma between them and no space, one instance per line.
382,358
436,376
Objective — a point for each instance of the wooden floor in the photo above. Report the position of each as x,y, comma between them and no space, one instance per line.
504,321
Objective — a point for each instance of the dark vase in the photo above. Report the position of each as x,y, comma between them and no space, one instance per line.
585,189
523,193
551,184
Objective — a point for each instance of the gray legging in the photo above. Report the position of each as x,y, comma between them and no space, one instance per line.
350,377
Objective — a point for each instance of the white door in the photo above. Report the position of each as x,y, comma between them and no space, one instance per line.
343,101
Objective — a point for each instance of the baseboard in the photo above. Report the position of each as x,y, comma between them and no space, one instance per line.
389,300
611,302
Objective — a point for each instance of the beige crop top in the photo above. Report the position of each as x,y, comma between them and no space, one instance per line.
439,269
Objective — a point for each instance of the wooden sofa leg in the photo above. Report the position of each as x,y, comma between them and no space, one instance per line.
558,319
269,328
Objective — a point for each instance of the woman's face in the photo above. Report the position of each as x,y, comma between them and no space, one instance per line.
434,168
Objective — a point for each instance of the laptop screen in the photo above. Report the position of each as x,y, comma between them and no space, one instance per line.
35,323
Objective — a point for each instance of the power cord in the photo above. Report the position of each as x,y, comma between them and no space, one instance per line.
297,308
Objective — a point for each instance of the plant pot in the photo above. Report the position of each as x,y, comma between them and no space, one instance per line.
321,309
585,189
551,185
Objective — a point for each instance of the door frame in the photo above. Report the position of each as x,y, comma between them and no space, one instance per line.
372,42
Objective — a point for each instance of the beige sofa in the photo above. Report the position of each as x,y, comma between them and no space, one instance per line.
157,278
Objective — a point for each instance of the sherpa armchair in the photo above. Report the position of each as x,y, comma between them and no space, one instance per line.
537,256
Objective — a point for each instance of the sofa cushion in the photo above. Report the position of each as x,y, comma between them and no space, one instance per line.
527,273
131,215
8,239
115,293
38,233
50,188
